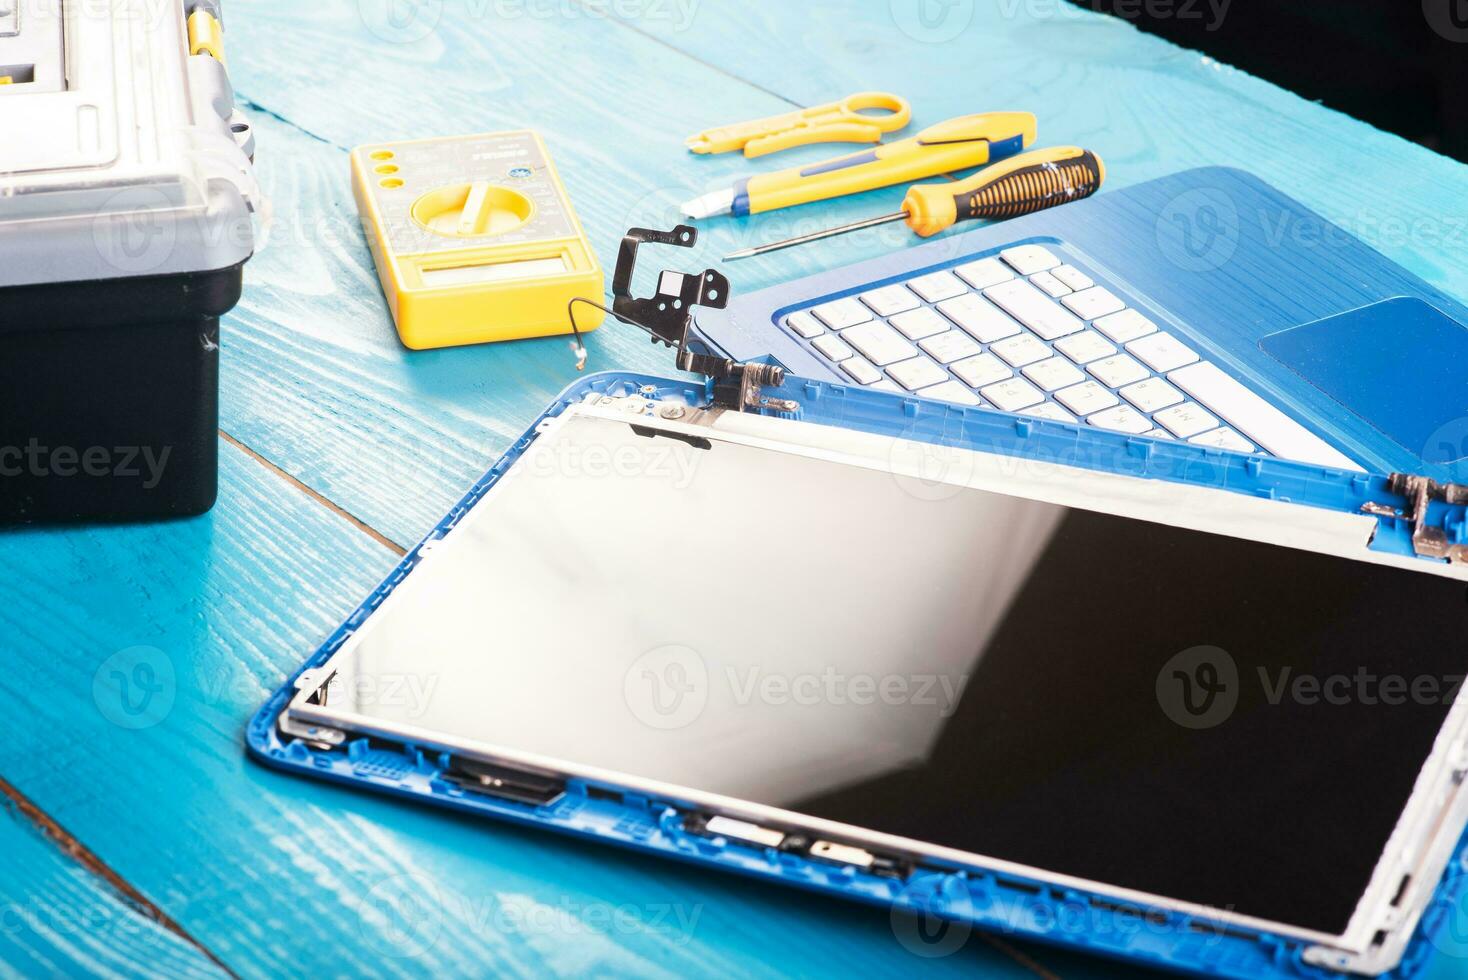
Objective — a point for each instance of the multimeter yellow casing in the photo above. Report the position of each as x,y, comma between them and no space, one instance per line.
474,239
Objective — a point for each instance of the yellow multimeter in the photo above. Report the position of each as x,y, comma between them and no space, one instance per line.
474,239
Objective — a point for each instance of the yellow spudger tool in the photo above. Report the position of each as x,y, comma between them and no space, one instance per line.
1019,185
834,122
958,144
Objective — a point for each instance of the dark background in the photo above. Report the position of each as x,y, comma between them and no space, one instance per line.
1381,61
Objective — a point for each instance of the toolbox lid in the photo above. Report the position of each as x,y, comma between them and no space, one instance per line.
123,153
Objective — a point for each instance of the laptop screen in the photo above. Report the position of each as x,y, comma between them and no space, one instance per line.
1206,718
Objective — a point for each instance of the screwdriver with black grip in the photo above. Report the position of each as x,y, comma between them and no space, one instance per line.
1022,184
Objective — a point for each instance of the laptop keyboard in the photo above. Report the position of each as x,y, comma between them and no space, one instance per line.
1028,333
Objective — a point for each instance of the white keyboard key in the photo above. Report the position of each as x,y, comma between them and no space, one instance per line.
833,347
937,286
880,343
1053,373
917,372
919,323
1098,301
842,313
1072,277
804,324
951,391
1085,347
1012,395
1163,352
945,348
1122,418
1029,259
1049,285
1158,434
861,371
886,384
984,273
1051,411
1021,350
1034,309
1083,399
1256,418
1126,325
984,321
982,370
1224,438
1186,420
890,299
1117,370
1151,395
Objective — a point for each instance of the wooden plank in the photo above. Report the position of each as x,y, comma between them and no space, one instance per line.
137,655
1148,107
314,376
59,919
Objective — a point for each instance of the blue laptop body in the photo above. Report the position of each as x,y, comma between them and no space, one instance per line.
1271,306
1363,353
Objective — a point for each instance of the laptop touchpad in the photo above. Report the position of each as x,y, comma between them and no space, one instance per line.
1401,365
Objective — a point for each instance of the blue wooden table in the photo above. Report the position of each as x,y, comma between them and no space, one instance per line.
137,839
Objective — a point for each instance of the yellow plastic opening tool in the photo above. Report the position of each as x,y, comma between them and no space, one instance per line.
1029,182
958,144
834,122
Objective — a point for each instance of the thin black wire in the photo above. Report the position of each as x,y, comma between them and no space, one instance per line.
571,315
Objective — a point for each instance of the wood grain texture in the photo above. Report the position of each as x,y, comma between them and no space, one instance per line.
58,919
259,866
147,769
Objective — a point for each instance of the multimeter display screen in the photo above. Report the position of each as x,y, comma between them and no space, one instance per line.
1209,719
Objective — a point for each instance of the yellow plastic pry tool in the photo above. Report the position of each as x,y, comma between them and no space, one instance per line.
474,239
835,122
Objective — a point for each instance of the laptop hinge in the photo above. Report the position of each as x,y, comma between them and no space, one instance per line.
668,319
1428,540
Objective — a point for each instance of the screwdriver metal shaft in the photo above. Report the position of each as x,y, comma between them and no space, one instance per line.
815,236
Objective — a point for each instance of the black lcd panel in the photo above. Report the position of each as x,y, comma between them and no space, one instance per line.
1062,756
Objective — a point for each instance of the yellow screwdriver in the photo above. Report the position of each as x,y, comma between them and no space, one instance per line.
1022,184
